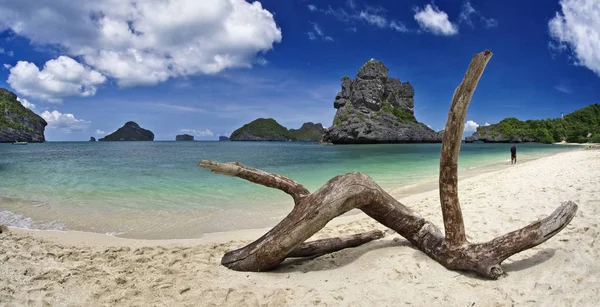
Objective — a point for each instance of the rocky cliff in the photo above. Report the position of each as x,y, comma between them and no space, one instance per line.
223,138
184,137
17,123
92,139
268,129
374,108
131,131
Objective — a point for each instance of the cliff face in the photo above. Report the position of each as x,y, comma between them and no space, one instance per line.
374,108
17,123
131,131
268,129
184,137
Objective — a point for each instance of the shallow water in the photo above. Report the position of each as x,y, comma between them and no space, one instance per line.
157,190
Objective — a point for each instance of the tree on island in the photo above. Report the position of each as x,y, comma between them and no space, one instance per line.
312,211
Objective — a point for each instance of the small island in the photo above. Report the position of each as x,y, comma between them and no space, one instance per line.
131,131
184,137
374,108
268,129
223,138
92,139
18,123
580,126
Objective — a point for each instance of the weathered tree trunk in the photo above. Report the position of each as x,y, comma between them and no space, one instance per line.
312,211
325,246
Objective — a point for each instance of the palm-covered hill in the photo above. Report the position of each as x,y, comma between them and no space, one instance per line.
581,126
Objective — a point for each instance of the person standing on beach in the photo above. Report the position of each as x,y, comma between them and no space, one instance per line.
513,154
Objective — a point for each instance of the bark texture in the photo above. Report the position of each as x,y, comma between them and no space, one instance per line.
312,211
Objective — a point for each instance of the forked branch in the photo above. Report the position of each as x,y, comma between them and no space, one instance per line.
312,211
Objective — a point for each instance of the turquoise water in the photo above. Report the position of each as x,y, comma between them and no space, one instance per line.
157,190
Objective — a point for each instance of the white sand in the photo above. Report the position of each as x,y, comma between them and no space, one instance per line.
81,269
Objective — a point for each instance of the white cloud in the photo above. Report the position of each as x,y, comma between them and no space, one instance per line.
59,78
9,52
470,126
563,89
26,103
468,12
319,33
65,122
486,124
577,29
398,26
100,132
433,20
7,66
201,132
147,42
371,15
373,19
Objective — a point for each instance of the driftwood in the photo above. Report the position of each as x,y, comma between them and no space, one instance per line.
342,193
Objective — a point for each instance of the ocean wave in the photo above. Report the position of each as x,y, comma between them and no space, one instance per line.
20,221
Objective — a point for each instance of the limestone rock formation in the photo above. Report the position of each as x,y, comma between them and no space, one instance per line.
18,123
131,131
184,137
223,138
374,108
92,139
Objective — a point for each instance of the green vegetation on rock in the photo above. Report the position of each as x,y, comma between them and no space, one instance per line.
574,127
268,129
17,123
401,114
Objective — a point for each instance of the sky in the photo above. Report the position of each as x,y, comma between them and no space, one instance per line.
207,67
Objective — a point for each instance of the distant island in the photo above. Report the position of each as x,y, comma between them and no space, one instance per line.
92,139
223,138
18,123
374,108
268,129
580,126
131,131
184,137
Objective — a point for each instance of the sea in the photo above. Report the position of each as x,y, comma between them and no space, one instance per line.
156,190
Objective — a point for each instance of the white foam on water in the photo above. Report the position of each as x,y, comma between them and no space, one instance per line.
20,221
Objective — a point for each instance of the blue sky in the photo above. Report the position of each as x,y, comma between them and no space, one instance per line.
208,67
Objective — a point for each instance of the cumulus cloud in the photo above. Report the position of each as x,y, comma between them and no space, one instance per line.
100,132
147,42
26,103
59,78
201,132
470,126
486,124
65,122
576,29
318,32
432,19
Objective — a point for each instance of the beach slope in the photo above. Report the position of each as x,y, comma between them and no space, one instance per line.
83,269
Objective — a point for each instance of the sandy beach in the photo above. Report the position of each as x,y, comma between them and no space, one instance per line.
52,268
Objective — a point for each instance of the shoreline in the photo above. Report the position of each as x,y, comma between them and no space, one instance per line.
79,268
402,194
